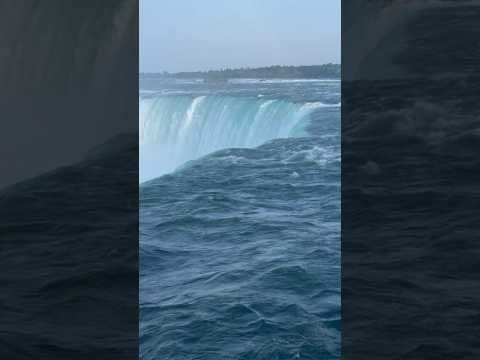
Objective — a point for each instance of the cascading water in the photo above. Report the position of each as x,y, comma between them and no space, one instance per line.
176,129
253,229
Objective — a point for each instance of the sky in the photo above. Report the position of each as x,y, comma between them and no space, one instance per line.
189,35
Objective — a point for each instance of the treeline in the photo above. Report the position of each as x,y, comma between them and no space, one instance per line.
326,71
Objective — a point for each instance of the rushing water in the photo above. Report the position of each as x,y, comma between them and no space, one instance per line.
175,129
240,235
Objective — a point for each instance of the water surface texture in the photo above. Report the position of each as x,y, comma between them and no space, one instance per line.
240,220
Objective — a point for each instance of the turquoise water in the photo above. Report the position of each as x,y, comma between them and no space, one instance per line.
240,220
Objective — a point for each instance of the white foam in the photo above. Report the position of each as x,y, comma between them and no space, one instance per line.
176,129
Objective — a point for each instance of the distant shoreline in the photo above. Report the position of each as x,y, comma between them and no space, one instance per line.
326,71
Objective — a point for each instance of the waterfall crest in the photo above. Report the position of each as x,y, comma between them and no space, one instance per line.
176,129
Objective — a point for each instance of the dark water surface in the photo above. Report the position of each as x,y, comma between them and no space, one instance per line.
240,249
69,259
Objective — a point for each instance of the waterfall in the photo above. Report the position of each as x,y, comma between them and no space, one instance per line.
175,129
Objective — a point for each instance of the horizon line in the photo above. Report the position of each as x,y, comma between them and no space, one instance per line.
234,68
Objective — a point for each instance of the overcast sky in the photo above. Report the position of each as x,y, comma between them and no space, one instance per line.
187,35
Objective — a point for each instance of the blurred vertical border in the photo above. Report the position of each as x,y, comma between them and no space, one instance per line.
69,179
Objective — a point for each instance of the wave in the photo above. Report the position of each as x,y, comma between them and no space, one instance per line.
255,232
176,129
